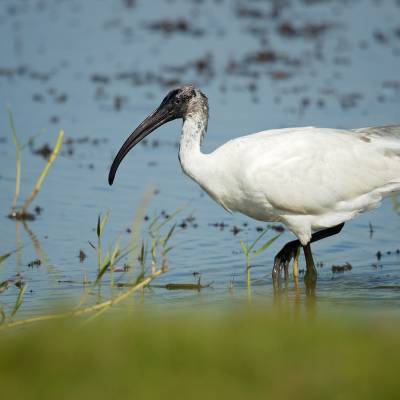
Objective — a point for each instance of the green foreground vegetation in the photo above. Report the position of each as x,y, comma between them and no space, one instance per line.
249,354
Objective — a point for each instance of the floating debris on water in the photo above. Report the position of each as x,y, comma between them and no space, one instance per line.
220,225
44,151
6,284
168,27
235,230
184,286
38,210
342,268
35,263
277,228
308,31
82,255
124,268
21,216
371,230
391,287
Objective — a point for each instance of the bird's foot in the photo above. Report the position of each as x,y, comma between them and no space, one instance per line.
283,259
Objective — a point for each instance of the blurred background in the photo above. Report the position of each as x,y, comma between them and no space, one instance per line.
97,68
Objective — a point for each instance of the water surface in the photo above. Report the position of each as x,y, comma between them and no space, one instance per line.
97,69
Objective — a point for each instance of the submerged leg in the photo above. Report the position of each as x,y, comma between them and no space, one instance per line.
311,271
310,277
289,250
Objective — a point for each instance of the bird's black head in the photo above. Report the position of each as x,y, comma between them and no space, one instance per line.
176,104
177,101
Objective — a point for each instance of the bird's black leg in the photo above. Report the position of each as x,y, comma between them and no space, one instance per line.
289,250
311,271
310,277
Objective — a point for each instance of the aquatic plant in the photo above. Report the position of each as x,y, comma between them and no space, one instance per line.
21,213
250,252
4,256
158,238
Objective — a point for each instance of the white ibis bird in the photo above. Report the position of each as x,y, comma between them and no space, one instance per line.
312,180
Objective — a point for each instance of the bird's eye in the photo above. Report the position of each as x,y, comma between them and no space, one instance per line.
177,101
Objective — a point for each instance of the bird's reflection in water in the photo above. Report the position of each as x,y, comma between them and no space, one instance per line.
299,293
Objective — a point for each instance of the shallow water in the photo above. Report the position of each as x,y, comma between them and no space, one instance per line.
97,69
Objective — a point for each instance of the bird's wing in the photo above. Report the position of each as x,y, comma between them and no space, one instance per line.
312,171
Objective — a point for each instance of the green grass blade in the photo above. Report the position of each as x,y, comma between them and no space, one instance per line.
5,256
123,254
266,245
153,222
13,130
19,300
168,236
116,252
244,247
257,239
101,224
137,226
17,160
140,277
103,269
154,251
167,250
104,223
98,230
45,171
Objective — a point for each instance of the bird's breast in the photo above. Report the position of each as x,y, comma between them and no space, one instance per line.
236,196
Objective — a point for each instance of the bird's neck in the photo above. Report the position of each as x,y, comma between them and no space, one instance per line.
190,155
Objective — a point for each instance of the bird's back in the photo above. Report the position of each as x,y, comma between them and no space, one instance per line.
310,171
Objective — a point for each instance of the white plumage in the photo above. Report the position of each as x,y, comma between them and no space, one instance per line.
307,178
310,179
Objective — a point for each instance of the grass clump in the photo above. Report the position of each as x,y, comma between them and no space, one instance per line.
130,278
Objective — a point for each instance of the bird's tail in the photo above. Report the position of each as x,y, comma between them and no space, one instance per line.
386,136
383,131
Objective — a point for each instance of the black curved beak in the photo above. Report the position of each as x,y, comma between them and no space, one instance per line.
159,117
